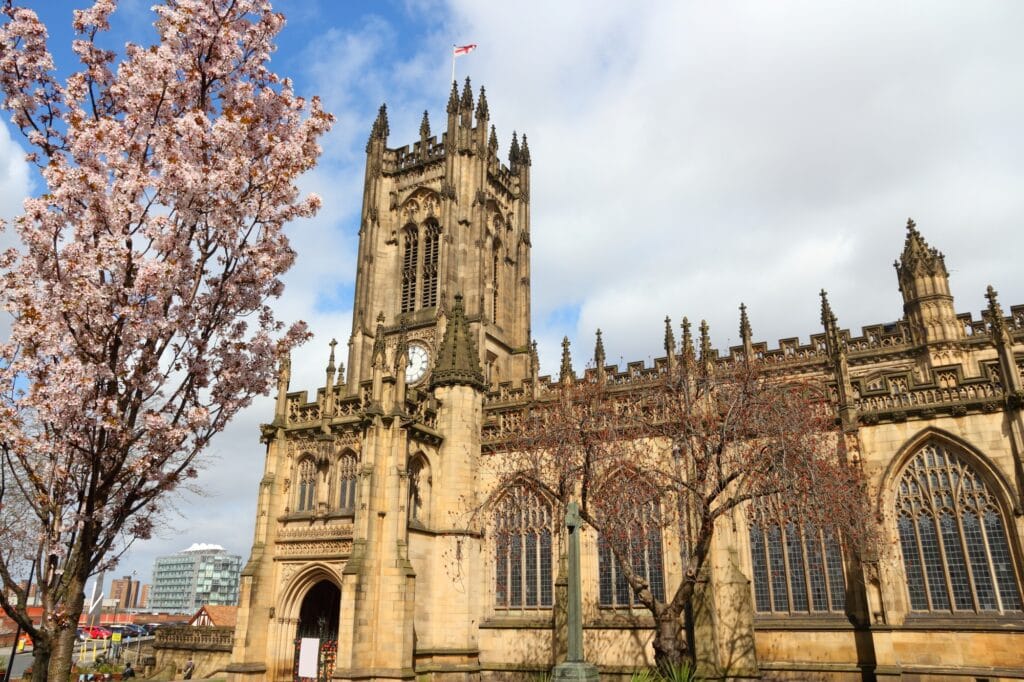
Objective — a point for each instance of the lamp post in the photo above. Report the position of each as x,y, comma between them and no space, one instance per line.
575,666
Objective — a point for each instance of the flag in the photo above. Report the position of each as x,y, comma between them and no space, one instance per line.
459,50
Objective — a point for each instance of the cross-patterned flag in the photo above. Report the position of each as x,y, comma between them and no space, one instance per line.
459,50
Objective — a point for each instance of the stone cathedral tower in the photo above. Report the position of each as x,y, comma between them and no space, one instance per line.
359,504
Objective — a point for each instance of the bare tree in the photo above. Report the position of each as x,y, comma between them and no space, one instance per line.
676,452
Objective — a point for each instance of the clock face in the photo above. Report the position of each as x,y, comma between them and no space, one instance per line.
419,360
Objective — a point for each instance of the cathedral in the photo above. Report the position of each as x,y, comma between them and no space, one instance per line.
364,567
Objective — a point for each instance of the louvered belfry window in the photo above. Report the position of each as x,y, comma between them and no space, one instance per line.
431,251
953,537
410,265
348,467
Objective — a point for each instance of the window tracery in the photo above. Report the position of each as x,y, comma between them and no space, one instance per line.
431,251
523,549
410,265
953,540
307,485
646,559
348,470
797,568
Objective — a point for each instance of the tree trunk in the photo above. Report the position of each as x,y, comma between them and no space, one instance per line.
40,658
60,662
670,649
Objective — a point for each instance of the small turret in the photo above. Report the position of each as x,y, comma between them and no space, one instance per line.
458,362
565,372
284,377
924,283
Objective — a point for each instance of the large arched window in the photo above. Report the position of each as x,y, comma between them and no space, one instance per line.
431,251
953,537
410,267
523,532
307,485
348,474
633,522
797,568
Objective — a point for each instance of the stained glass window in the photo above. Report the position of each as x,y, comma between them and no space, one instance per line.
523,548
644,550
952,537
797,568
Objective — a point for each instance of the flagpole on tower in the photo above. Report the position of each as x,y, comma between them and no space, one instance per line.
453,62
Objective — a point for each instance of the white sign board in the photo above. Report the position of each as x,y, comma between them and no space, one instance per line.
309,651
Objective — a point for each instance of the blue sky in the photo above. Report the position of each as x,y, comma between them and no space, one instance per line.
686,157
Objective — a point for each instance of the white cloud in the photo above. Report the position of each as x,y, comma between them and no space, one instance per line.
686,157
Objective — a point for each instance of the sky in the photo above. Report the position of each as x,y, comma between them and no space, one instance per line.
687,157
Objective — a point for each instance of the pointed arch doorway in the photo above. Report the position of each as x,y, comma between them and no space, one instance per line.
316,635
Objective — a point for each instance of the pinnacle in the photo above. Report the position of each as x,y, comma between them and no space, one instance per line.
467,96
995,311
513,151
425,126
565,372
670,339
705,342
827,316
599,356
492,143
482,112
458,363
918,257
524,155
687,340
453,99
745,332
380,126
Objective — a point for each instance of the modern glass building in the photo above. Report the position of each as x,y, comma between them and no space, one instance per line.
201,574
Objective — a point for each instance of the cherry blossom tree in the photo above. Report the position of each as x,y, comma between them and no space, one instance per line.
661,460
140,292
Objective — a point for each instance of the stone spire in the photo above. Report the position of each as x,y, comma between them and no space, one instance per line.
670,342
599,358
425,126
330,364
524,152
995,312
492,143
482,113
513,153
686,348
565,372
381,129
284,377
745,333
402,344
453,99
705,343
466,105
458,363
828,321
840,366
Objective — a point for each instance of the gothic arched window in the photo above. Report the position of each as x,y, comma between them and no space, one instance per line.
419,488
797,568
636,525
307,485
953,537
348,470
431,251
410,267
523,531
